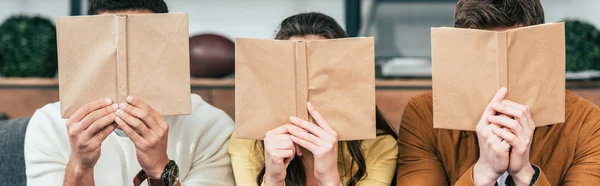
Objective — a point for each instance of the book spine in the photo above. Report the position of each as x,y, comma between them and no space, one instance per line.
502,63
121,39
301,81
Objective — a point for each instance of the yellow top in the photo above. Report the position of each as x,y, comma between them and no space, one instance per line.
380,155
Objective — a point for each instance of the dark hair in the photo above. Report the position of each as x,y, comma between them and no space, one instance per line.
319,24
312,23
99,6
485,14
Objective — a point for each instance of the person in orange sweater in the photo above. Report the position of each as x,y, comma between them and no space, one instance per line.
503,150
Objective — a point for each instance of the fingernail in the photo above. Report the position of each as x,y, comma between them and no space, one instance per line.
119,112
117,119
123,106
293,118
129,99
108,100
308,104
115,107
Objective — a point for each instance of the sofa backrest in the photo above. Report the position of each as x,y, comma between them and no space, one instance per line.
12,160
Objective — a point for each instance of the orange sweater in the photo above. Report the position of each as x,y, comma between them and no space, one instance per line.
567,153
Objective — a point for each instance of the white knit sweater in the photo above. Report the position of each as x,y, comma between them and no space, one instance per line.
197,142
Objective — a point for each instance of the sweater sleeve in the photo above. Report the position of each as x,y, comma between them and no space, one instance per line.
380,155
585,169
245,160
211,164
45,141
418,163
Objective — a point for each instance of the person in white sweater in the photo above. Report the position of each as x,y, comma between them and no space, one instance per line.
145,147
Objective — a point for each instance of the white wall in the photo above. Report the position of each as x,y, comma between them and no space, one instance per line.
232,18
259,18
249,18
46,8
557,10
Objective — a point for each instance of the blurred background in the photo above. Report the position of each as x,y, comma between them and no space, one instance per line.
401,29
28,60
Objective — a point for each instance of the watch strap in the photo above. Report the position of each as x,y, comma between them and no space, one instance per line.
141,176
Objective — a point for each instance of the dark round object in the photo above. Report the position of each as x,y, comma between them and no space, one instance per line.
211,56
583,46
28,47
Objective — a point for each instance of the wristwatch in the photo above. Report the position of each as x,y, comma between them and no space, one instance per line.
169,177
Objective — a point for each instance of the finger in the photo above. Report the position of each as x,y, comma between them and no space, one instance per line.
138,103
524,108
297,149
142,114
318,118
491,137
512,103
95,115
499,96
507,136
511,124
283,156
279,141
134,136
311,127
99,125
279,137
303,134
88,108
133,122
504,145
283,145
101,136
306,144
279,130
512,111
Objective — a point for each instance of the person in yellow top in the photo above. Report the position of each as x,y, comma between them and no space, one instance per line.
304,153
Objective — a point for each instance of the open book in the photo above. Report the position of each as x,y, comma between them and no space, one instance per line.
469,66
113,56
275,78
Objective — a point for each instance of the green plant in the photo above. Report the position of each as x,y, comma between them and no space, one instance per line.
28,47
583,46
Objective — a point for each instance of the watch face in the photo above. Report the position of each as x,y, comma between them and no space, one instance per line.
173,174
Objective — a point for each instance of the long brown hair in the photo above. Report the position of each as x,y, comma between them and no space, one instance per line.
319,24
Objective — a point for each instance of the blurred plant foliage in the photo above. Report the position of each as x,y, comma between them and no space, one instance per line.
28,47
583,46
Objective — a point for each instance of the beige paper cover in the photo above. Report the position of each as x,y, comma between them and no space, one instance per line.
470,66
275,79
112,56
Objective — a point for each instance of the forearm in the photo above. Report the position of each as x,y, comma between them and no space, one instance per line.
330,183
332,178
78,176
272,182
482,176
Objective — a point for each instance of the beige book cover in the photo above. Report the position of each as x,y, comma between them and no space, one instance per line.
471,65
275,78
113,56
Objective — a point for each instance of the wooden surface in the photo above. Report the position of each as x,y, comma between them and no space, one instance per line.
21,97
